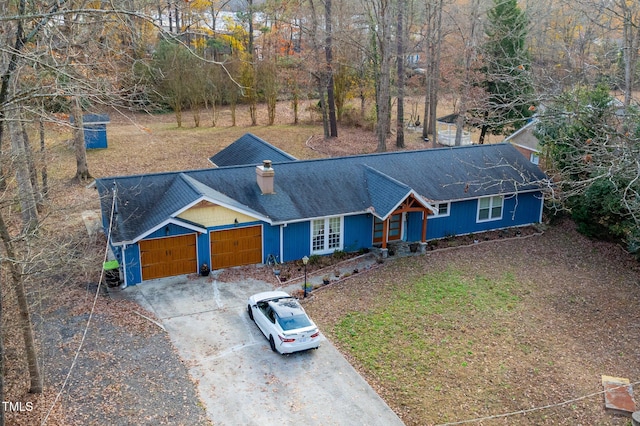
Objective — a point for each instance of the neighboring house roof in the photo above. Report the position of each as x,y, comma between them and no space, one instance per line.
308,189
249,149
524,137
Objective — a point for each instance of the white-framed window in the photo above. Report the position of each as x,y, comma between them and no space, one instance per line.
534,158
443,210
326,235
490,208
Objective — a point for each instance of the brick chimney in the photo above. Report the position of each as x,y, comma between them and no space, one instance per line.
264,177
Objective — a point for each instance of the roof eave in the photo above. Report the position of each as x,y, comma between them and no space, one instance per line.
169,221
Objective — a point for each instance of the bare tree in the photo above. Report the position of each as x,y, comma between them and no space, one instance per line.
2,355
25,317
23,176
79,147
433,43
319,74
470,53
379,15
328,49
629,14
400,59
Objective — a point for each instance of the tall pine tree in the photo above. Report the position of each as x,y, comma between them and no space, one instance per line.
507,70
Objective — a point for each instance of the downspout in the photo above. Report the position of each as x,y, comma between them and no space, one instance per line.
281,243
541,207
124,267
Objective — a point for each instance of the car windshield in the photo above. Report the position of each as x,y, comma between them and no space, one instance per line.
294,322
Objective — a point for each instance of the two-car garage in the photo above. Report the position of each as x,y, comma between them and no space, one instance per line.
178,255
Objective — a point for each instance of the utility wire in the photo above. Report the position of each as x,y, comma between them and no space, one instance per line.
529,410
86,328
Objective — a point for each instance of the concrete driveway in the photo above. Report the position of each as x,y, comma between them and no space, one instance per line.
241,381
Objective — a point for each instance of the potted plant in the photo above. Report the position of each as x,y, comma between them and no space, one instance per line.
204,270
325,280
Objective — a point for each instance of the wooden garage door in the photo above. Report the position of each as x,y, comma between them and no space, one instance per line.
166,257
235,247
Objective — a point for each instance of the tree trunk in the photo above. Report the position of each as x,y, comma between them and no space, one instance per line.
253,112
43,173
82,169
383,94
25,318
323,109
483,134
195,109
631,38
1,354
460,124
433,52
214,112
400,63
469,57
23,178
294,106
250,42
178,112
319,74
328,50
33,173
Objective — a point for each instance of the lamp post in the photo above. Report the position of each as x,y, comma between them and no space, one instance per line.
305,260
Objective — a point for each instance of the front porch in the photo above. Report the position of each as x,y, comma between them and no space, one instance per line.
405,225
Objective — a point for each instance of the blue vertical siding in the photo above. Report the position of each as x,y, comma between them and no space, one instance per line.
270,241
296,241
518,210
133,270
414,226
203,249
358,232
170,230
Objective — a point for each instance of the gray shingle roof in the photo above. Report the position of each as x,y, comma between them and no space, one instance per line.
324,187
249,149
384,192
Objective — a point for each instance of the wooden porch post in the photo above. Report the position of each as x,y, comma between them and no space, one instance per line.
424,225
385,232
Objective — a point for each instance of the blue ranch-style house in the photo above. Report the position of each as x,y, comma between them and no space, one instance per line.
172,223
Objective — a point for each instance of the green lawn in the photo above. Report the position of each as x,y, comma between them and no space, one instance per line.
402,333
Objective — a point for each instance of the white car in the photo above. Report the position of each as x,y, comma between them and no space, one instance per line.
283,322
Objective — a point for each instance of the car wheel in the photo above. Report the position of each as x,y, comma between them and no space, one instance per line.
250,312
272,343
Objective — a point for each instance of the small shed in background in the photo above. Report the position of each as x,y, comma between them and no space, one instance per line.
95,130
447,127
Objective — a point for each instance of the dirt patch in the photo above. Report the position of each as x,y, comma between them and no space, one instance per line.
577,318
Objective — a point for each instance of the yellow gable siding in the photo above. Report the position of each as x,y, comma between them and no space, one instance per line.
211,215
